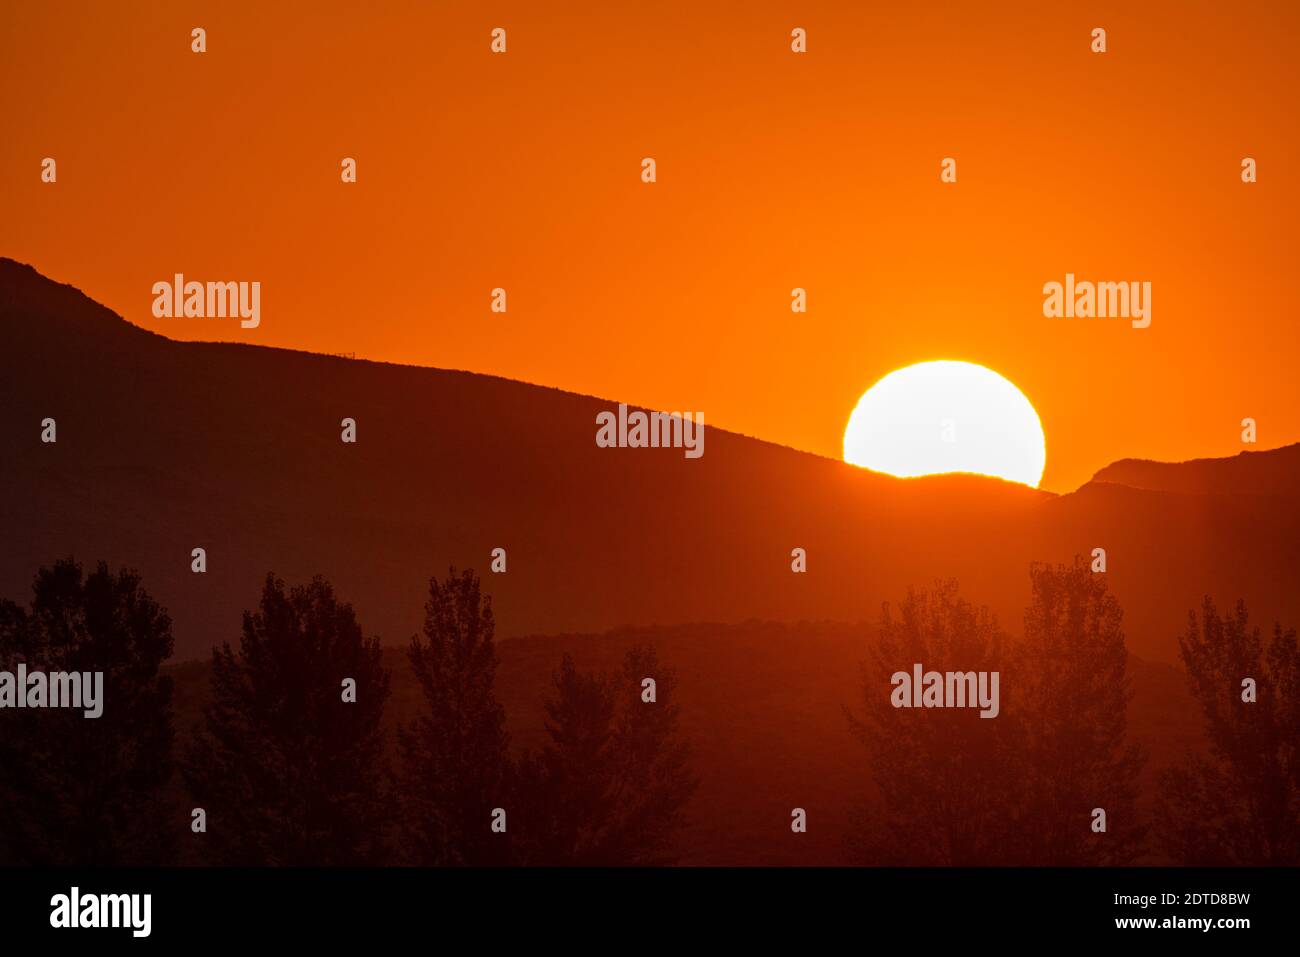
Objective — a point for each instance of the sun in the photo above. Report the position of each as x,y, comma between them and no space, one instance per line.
944,416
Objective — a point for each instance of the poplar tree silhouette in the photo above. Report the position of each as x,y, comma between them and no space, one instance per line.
454,755
287,771
944,777
1238,803
611,786
77,790
1073,689
1019,788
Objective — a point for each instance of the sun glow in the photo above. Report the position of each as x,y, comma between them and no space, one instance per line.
944,416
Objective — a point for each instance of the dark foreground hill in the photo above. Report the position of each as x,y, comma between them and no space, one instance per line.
166,446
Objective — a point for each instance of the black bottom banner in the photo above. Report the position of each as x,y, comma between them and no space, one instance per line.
492,907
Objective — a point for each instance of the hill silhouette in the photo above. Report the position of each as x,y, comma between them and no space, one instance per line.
165,446
1250,473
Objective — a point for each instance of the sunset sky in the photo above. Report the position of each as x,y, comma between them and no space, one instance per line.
775,170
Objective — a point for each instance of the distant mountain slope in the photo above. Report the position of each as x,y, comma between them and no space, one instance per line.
164,446
1272,472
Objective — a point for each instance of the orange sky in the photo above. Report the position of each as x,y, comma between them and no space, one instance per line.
775,170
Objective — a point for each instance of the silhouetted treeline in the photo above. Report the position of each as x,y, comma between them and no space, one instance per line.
289,766
611,783
1239,803
292,762
942,774
455,760
609,787
1021,787
78,790
1072,691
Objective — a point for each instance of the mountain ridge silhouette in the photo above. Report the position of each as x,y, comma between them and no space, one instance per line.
164,446
1268,472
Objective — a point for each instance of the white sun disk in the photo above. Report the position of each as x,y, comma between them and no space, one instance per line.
944,416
